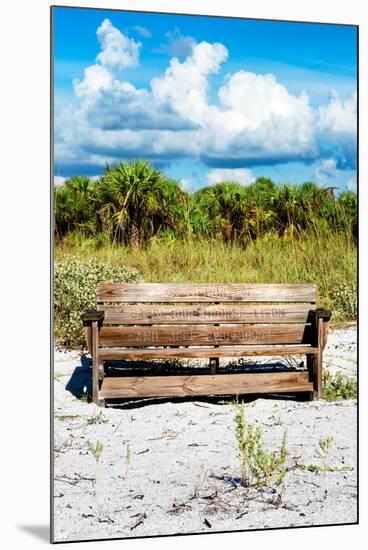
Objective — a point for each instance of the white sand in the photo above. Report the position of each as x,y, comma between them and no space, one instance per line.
169,467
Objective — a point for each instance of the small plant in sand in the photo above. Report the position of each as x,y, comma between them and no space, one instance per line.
324,449
128,459
96,450
97,419
323,452
258,467
338,386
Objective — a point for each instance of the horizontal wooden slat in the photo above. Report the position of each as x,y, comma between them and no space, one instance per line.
220,384
157,292
200,314
193,335
197,353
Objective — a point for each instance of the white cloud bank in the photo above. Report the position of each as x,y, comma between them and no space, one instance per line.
338,117
326,170
337,122
239,175
254,119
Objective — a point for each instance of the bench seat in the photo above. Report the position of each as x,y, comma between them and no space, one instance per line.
204,384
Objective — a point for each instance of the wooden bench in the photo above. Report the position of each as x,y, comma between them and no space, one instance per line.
140,321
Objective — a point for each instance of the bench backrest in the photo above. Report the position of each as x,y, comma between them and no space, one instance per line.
153,314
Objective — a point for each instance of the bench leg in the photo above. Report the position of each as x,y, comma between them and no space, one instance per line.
214,365
314,364
97,367
306,396
101,374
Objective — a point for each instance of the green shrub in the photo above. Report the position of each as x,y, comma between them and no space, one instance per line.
344,298
338,386
75,284
257,466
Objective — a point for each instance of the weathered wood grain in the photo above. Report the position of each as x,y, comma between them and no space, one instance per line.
326,329
214,365
95,361
92,315
197,335
205,320
318,362
219,384
88,336
197,353
157,292
201,314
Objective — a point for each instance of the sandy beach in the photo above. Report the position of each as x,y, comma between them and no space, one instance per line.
172,466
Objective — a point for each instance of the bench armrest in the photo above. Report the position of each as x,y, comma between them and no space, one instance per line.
88,317
323,313
92,315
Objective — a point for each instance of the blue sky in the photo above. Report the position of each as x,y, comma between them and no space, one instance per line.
205,99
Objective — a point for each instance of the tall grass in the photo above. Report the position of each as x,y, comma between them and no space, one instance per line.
327,259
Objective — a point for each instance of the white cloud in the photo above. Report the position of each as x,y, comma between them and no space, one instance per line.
117,50
143,31
259,119
184,85
96,79
59,180
337,124
254,119
177,45
339,117
326,170
239,175
352,185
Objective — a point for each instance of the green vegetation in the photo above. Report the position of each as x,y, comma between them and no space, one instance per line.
338,386
134,220
324,449
97,419
133,202
317,468
323,452
75,284
258,467
96,449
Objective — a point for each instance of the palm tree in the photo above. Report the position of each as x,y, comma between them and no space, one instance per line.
135,200
75,208
224,204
